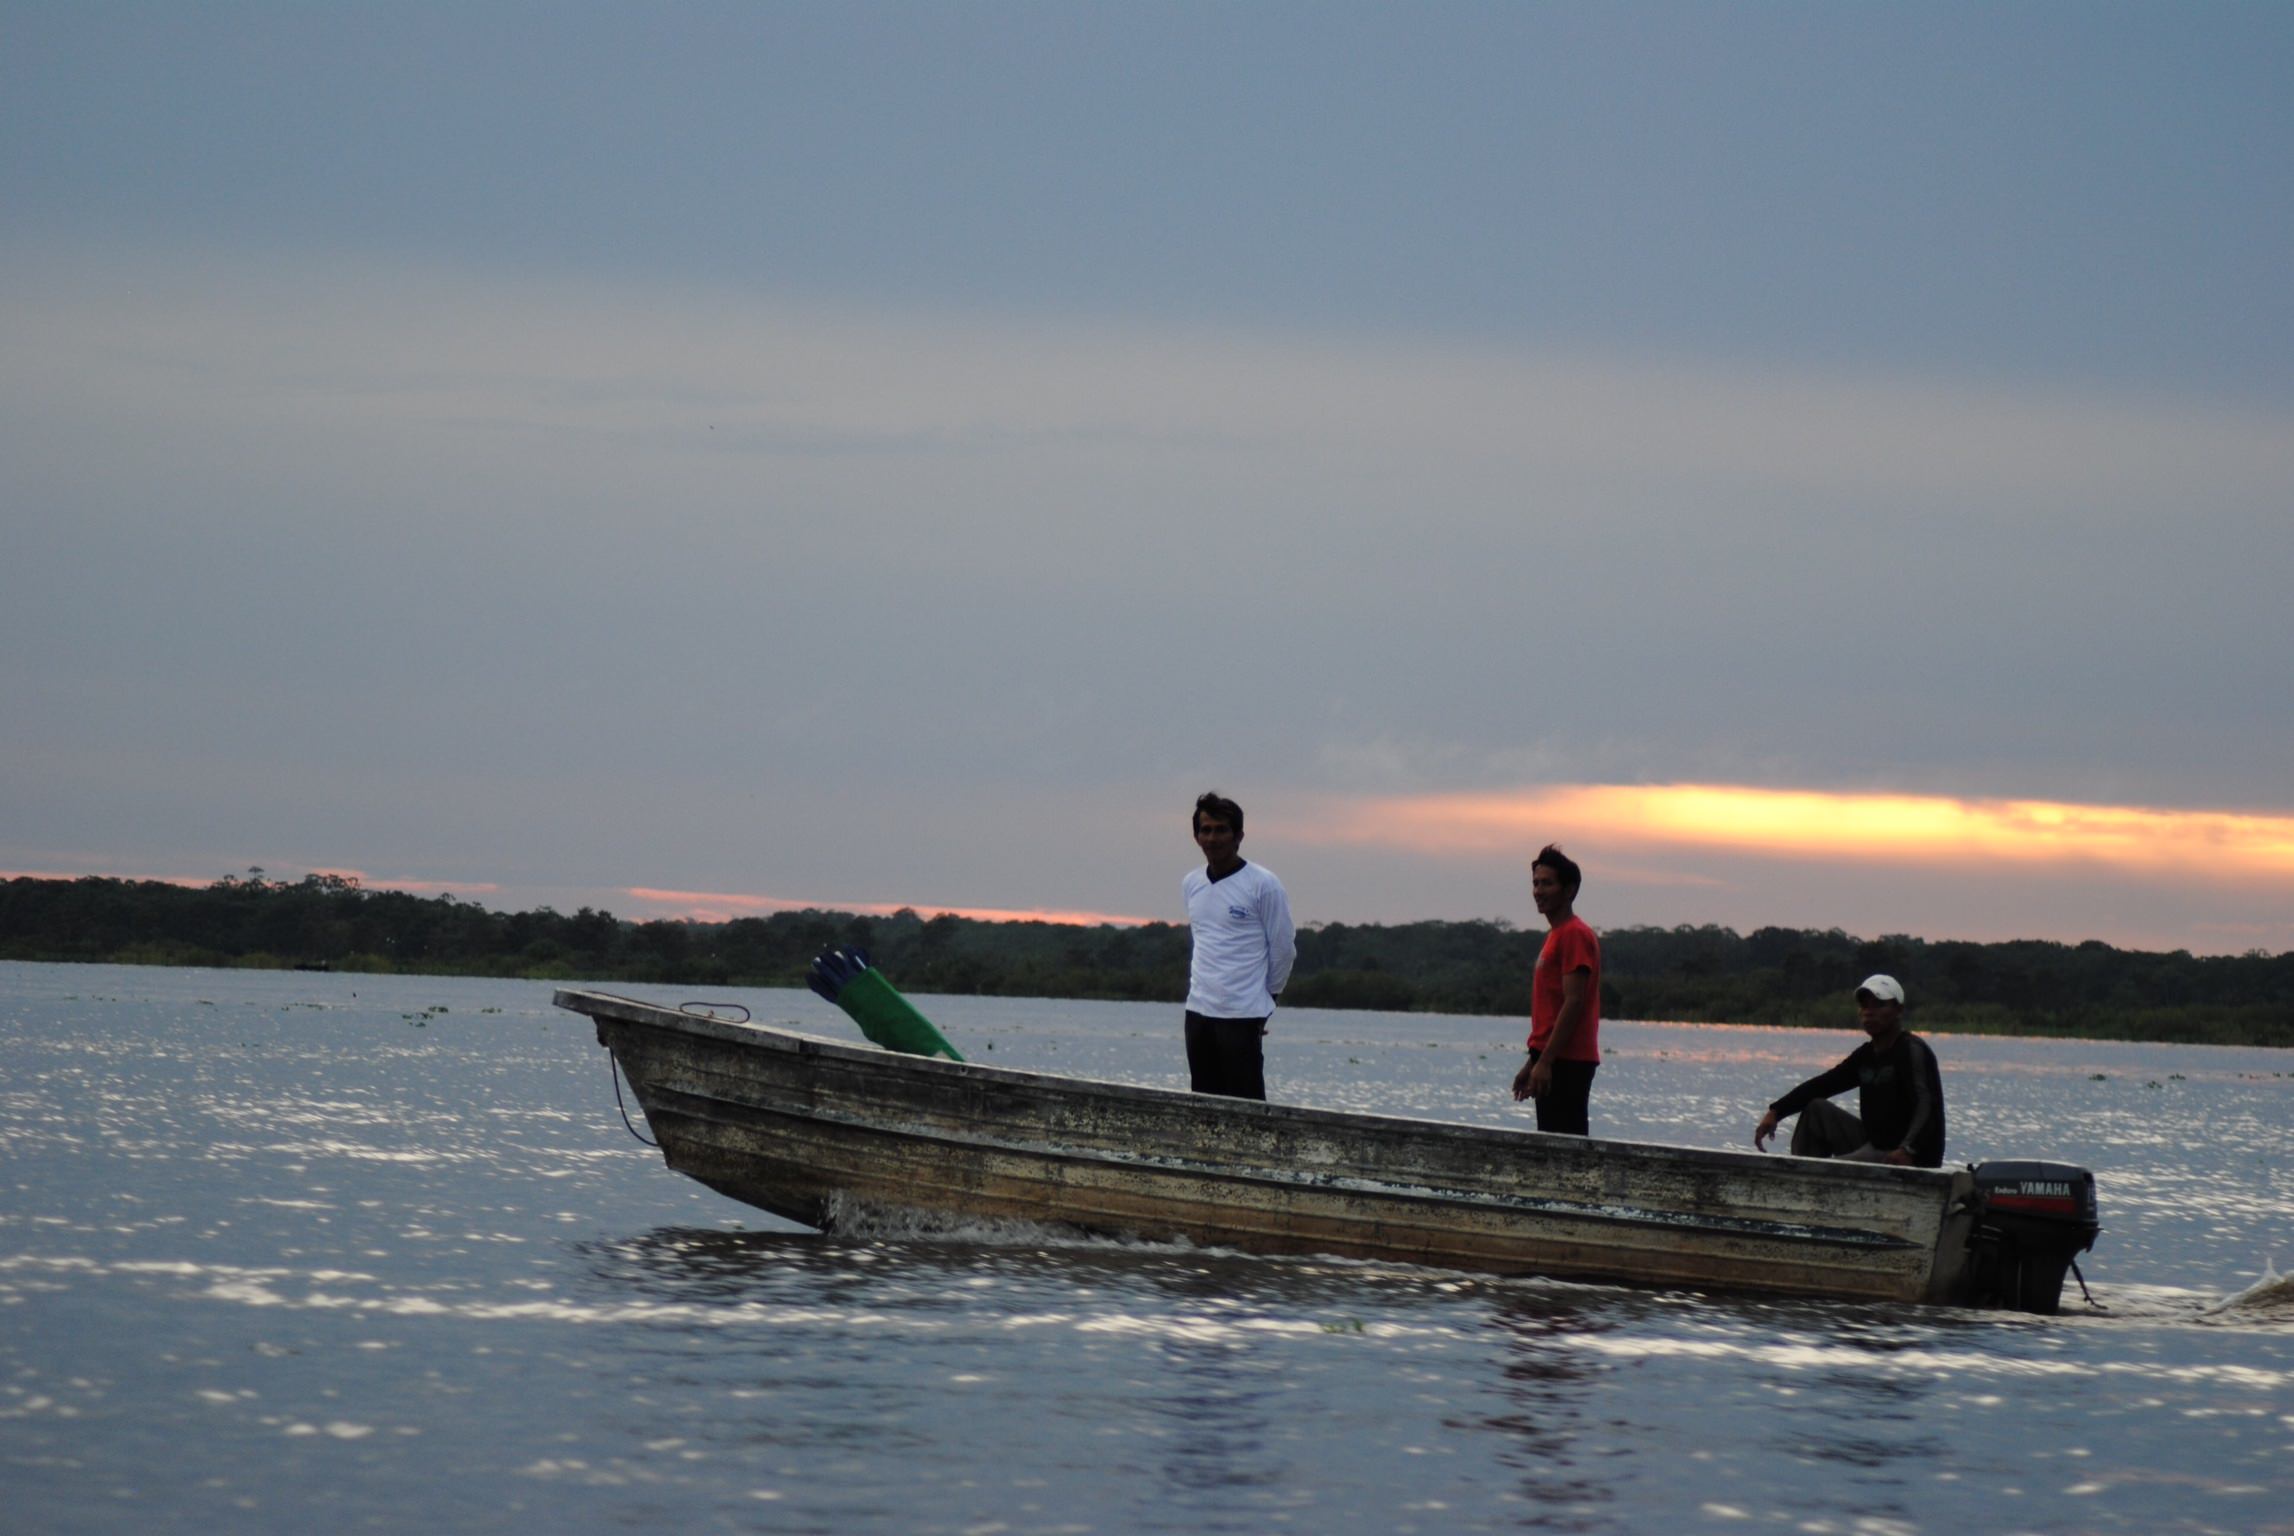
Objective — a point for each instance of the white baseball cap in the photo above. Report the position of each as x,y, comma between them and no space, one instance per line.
1886,988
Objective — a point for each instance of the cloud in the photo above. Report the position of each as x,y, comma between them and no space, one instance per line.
465,888
721,906
1822,826
202,882
365,345
560,582
195,882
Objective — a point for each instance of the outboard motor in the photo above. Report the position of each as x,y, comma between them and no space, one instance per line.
2031,1221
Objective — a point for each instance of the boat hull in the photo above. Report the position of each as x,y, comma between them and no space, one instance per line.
813,1130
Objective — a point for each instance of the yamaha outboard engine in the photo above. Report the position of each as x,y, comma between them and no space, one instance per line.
2031,1221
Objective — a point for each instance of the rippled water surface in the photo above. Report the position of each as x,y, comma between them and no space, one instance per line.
289,1253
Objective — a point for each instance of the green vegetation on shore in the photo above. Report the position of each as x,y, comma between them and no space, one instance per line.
1692,974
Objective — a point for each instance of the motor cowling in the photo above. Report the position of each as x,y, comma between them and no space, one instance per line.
2032,1220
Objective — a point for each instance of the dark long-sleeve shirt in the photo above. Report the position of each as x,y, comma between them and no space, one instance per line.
1902,1096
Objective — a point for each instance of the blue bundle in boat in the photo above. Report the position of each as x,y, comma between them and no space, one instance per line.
845,978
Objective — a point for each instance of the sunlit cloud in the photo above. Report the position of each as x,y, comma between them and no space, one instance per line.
722,906
415,887
200,882
1820,826
195,882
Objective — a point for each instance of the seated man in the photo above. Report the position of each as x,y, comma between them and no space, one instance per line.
1901,1093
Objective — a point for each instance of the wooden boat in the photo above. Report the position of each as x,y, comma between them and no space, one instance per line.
816,1130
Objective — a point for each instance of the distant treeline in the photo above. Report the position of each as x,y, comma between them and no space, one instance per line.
1709,974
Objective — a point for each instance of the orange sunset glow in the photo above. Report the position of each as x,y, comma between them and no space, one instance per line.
193,882
720,906
1818,825
465,888
417,887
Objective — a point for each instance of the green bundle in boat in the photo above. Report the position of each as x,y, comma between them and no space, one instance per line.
845,978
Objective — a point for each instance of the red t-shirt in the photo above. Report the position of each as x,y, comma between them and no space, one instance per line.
1570,947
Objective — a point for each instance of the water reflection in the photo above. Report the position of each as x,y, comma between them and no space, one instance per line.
1551,1386
709,1265
1215,1411
1207,1289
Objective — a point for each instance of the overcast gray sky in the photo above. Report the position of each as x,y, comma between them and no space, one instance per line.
1827,465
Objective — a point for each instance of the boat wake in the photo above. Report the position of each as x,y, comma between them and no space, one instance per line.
2267,1303
2268,1300
850,1218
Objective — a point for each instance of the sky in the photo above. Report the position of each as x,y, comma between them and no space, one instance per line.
1824,465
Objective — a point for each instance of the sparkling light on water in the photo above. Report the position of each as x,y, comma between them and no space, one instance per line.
282,1252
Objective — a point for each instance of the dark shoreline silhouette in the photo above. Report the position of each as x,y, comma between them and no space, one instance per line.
1784,976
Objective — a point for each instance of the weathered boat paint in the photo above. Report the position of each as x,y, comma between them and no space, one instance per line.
805,1127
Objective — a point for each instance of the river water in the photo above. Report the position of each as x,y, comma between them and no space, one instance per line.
292,1253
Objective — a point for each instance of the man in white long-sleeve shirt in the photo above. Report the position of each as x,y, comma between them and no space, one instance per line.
1244,944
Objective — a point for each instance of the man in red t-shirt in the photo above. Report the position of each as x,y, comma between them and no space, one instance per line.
1564,1002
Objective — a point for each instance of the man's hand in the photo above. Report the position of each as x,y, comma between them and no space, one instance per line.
1764,1130
1525,1083
1899,1156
